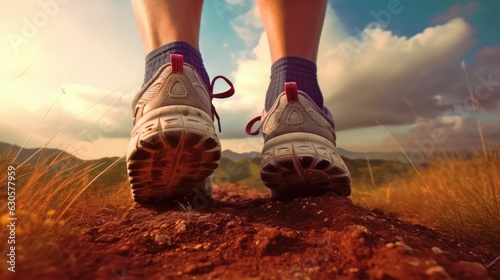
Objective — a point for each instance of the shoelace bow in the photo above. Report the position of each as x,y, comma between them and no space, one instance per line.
225,94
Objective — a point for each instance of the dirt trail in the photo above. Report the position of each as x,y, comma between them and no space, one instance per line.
244,235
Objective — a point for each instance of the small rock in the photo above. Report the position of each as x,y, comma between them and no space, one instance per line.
231,224
353,271
414,263
180,226
107,238
319,212
437,250
161,239
439,270
269,240
402,244
198,246
123,250
326,219
472,266
269,206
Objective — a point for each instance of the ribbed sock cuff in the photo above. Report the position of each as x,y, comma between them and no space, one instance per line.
161,56
293,69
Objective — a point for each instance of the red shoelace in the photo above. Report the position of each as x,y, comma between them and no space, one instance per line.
225,94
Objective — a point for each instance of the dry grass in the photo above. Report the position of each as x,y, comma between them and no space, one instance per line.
463,197
53,203
458,194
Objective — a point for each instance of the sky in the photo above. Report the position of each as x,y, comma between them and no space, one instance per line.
390,71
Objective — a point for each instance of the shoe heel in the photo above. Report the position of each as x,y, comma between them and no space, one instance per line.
172,153
303,164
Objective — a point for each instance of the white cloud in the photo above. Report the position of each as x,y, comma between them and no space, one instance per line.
82,116
378,79
236,2
69,50
249,26
448,133
378,75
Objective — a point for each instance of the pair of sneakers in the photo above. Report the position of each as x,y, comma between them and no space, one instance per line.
174,147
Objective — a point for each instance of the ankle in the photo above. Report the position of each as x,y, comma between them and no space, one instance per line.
161,56
294,69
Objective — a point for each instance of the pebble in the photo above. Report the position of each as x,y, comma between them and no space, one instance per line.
231,224
437,269
472,266
319,212
123,250
437,250
402,244
180,226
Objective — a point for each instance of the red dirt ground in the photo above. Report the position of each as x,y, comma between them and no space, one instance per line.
242,234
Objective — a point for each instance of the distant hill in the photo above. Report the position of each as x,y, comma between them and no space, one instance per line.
33,155
246,171
343,152
114,175
236,156
371,155
234,168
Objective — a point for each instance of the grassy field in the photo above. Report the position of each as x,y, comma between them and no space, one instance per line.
54,201
457,194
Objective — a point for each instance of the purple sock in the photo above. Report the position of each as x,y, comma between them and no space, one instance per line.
161,56
293,69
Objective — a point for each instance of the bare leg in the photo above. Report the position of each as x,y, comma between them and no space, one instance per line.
165,21
293,27
170,27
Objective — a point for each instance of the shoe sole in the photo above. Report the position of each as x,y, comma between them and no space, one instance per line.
303,164
172,152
